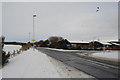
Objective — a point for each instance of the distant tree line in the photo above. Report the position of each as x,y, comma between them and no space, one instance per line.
15,43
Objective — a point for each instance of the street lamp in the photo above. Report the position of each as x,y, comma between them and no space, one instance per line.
34,16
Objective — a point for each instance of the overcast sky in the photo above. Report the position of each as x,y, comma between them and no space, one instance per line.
75,21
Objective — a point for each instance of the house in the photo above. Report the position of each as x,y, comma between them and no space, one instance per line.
79,45
96,45
115,45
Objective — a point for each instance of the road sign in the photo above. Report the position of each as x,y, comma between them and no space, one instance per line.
33,40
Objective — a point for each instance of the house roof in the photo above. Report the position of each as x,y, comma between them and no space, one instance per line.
78,41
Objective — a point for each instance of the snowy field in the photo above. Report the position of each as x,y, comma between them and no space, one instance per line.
108,55
11,48
34,64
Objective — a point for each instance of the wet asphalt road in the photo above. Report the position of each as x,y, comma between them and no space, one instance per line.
85,65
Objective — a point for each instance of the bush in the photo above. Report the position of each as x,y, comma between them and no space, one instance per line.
3,54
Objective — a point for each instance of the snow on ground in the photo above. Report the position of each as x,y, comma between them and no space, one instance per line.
107,55
11,48
30,64
34,64
66,71
0,74
62,50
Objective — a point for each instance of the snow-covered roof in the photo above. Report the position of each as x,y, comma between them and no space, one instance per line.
105,43
116,44
78,41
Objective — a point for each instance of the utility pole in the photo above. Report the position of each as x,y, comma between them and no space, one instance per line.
93,43
29,36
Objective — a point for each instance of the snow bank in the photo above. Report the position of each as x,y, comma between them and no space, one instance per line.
11,48
107,55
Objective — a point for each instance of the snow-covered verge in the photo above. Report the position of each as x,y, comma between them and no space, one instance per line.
34,64
11,48
29,64
107,55
81,51
62,50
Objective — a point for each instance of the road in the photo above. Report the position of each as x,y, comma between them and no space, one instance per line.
94,68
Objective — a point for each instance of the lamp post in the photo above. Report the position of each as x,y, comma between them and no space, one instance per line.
34,16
